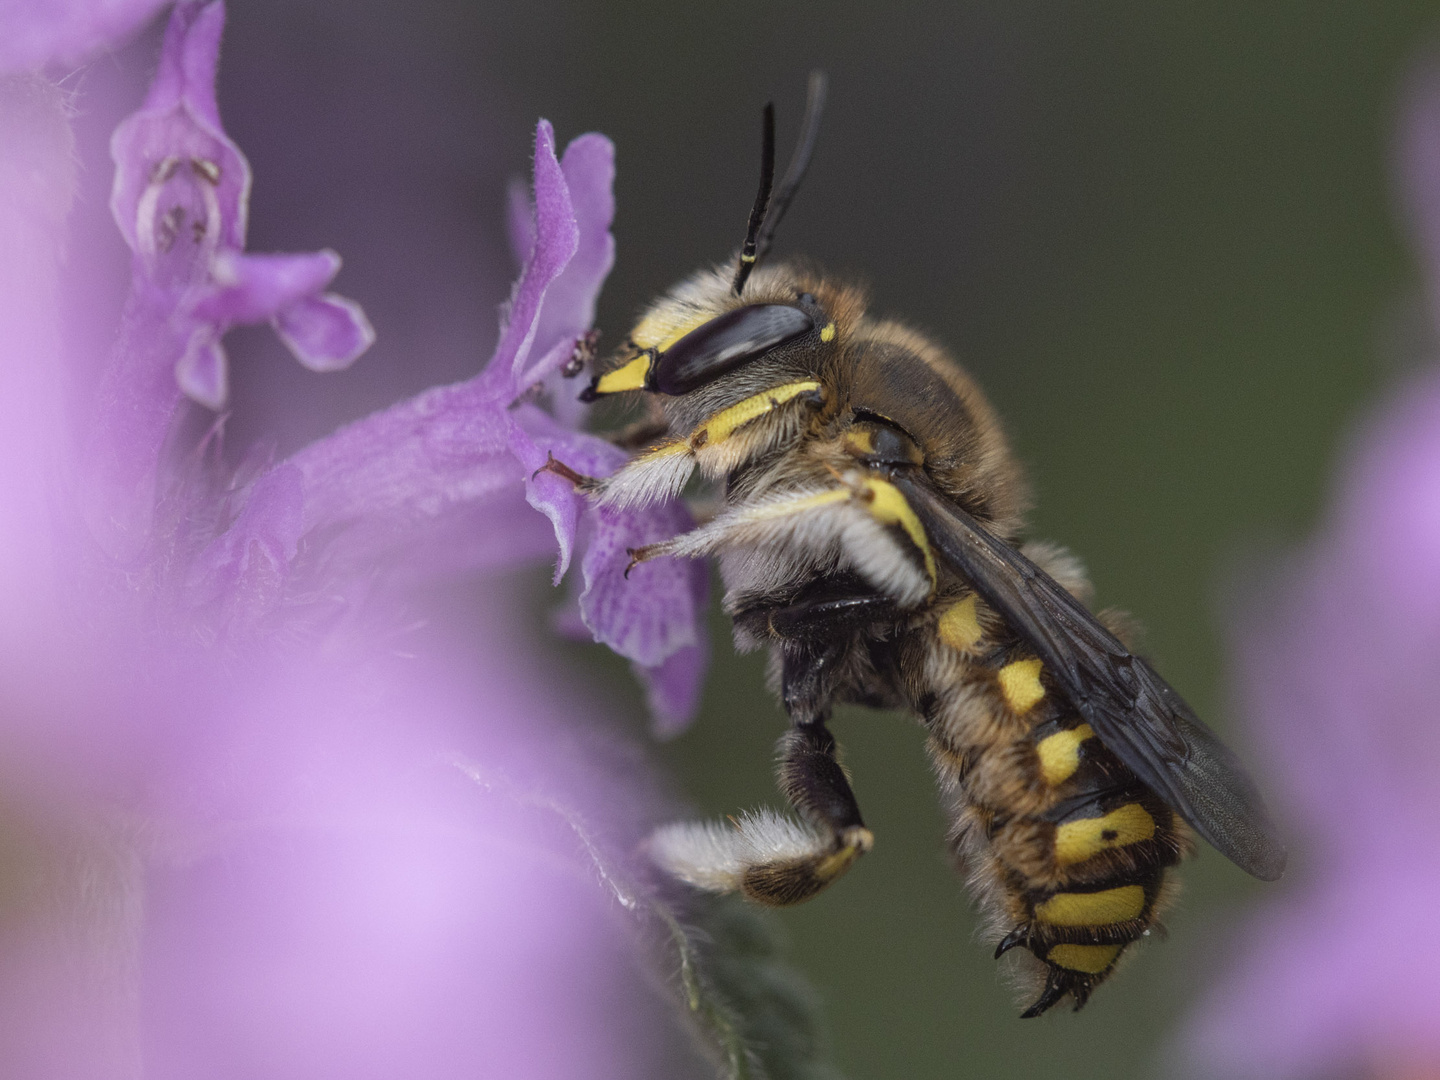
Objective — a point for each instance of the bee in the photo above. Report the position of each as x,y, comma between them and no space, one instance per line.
871,540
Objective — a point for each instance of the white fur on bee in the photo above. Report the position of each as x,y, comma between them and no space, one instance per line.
661,472
826,527
652,477
714,857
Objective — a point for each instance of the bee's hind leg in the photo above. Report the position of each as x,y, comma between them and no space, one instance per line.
770,858
815,784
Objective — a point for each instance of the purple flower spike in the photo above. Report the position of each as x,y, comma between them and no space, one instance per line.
454,462
181,198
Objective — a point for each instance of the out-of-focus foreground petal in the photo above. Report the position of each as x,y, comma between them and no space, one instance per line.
237,837
1340,676
35,34
1341,679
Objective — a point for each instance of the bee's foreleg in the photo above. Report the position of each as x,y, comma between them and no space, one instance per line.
554,465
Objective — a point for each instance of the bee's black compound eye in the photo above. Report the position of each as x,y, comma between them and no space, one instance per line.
726,342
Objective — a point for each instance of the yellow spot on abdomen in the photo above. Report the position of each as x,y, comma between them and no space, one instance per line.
1093,908
1020,684
723,424
630,377
1076,841
1088,959
1060,754
827,335
960,625
889,506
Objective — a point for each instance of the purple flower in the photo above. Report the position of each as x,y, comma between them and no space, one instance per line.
456,467
1342,679
180,199
279,813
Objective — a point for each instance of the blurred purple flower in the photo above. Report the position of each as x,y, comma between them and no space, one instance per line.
251,835
66,32
180,199
1342,678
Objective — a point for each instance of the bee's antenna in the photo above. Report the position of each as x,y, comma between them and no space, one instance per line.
762,200
809,132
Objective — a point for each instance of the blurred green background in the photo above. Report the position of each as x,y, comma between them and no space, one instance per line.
1161,236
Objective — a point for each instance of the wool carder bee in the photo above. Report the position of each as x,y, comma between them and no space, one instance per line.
870,539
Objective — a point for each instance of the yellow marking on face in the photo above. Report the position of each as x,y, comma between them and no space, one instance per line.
960,625
860,441
663,328
1060,754
1020,684
827,335
1076,841
723,424
889,506
630,377
1093,908
1087,959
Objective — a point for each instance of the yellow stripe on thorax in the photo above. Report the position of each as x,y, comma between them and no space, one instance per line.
1060,754
1020,684
723,424
1093,908
959,627
1076,841
1087,959
630,377
889,506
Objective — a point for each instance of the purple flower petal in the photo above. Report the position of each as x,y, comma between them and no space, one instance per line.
325,333
672,690
411,462
177,131
650,615
254,288
556,238
202,370
569,307
534,438
67,33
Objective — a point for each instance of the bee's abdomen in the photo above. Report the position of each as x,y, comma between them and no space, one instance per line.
1067,849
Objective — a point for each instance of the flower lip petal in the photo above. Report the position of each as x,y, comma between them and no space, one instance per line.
255,288
652,613
202,371
326,332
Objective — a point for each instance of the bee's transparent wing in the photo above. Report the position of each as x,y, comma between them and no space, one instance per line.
1136,714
